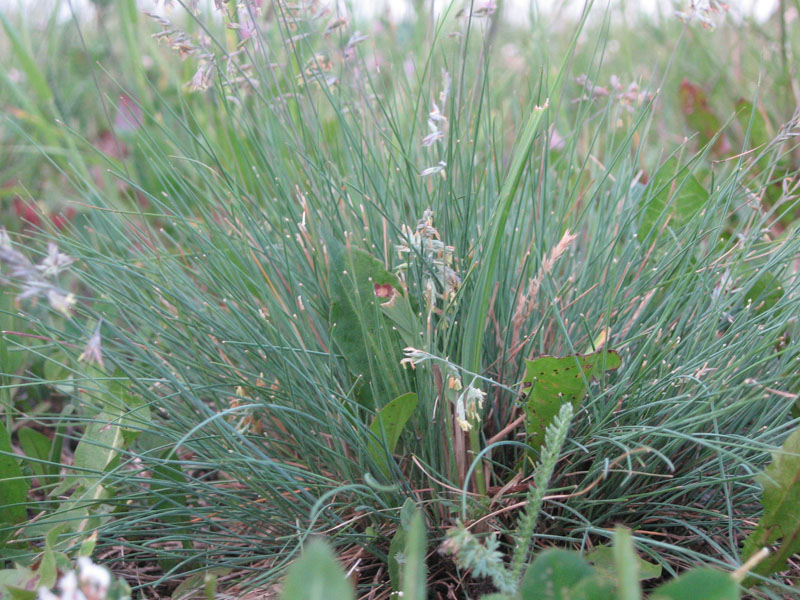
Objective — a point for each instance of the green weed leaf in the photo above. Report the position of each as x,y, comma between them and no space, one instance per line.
597,587
414,572
99,445
602,557
398,545
699,116
553,574
36,446
359,329
699,584
780,523
765,292
557,380
753,121
388,425
13,485
626,565
675,192
317,575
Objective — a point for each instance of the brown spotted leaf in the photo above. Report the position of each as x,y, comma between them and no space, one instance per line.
557,380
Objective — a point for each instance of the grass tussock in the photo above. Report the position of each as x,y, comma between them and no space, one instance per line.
284,219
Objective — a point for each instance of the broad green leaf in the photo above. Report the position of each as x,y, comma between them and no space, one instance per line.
13,485
15,593
317,575
361,332
597,587
754,123
119,590
674,192
88,545
36,446
405,320
190,586
626,565
764,293
699,116
397,549
602,557
17,578
398,545
133,409
779,526
407,512
99,445
553,574
388,425
48,569
414,573
698,584
557,380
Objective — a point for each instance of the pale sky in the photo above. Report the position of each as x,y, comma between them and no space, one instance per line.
761,9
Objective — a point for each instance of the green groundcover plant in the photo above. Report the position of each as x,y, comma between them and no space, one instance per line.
318,273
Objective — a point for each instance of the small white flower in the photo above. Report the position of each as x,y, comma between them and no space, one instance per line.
485,8
413,357
94,349
432,138
433,170
60,301
468,406
94,580
45,594
68,585
436,114
55,262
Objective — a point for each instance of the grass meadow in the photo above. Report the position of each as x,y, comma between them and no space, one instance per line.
444,291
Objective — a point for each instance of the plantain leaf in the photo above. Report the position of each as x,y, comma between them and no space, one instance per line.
556,380
780,523
359,329
388,425
397,547
397,557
